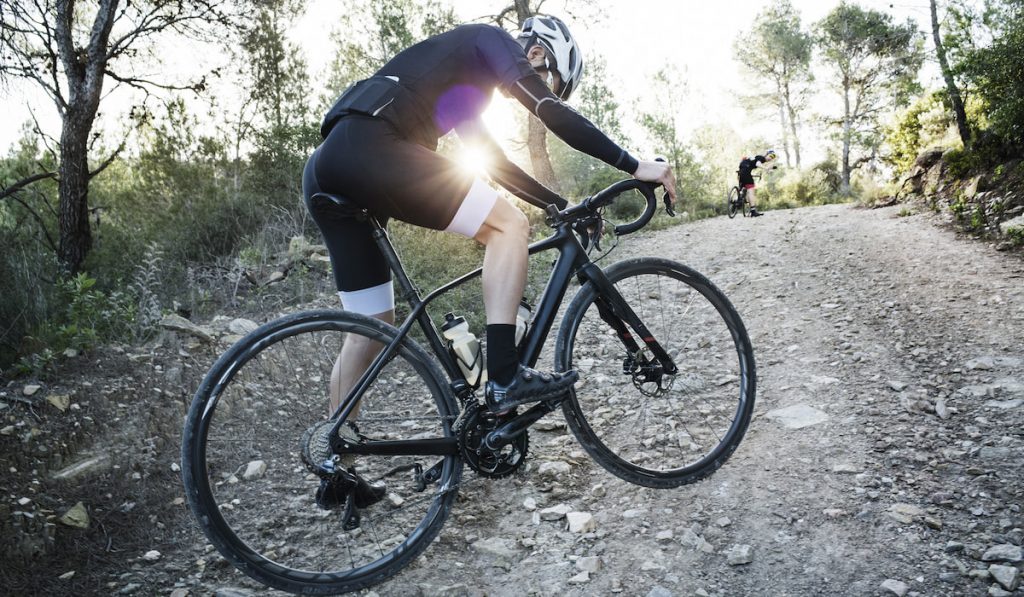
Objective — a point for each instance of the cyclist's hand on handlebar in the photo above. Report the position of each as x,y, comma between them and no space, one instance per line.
659,172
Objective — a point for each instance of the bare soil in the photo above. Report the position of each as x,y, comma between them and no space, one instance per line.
887,444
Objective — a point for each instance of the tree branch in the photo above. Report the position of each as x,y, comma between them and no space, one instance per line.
39,220
24,182
145,84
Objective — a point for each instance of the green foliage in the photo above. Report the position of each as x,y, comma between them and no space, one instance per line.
875,63
927,122
90,316
776,53
994,70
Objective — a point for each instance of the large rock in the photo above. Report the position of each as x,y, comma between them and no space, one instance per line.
83,468
1003,553
177,323
496,547
1007,576
797,416
76,517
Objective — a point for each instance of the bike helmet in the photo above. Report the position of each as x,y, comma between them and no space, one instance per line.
770,155
551,33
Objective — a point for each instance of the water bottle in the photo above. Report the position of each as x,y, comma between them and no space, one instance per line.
465,347
523,318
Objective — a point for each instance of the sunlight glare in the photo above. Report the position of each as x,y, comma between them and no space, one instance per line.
472,159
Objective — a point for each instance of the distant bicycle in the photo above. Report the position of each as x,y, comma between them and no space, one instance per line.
737,200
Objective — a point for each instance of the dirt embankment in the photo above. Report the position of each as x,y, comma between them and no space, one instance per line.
885,456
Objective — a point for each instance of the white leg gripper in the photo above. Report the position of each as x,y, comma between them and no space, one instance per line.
474,209
369,301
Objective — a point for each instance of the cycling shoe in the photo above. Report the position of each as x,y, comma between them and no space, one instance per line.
528,385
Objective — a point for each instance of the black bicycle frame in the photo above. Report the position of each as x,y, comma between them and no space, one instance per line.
572,262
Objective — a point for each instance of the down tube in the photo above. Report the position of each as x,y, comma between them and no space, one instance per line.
570,258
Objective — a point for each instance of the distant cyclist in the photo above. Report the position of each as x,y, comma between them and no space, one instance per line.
379,148
745,171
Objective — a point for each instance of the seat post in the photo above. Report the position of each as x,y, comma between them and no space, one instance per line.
405,285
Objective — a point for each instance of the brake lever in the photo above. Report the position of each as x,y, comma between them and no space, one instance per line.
668,202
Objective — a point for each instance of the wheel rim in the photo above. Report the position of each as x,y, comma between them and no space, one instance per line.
694,421
258,406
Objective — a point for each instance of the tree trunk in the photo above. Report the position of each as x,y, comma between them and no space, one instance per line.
844,187
792,124
536,132
954,93
73,190
785,132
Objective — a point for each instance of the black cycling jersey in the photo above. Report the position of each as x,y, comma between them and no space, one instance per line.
380,137
447,81
747,166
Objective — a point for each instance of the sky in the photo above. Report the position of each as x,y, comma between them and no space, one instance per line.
636,38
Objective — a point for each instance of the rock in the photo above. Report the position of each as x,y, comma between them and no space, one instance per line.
589,564
1007,576
554,469
76,516
1010,226
59,401
797,416
83,468
897,386
1005,404
582,577
530,504
8,430
581,522
995,453
649,565
24,502
555,512
242,326
254,470
497,548
633,513
179,593
177,323
847,469
905,513
657,591
739,555
665,536
833,512
723,521
151,555
274,278
941,410
232,592
30,390
1003,553
67,575
395,500
895,587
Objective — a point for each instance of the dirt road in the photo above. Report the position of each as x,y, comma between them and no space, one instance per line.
885,456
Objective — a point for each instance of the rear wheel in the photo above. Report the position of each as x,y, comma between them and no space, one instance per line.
733,201
745,203
243,471
639,423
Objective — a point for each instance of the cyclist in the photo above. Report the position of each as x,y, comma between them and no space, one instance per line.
378,151
745,171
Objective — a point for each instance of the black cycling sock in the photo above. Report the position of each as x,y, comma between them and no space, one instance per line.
502,357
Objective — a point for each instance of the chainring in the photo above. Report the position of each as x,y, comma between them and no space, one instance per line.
474,426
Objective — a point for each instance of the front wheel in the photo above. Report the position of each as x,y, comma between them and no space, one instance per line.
640,423
733,201
244,474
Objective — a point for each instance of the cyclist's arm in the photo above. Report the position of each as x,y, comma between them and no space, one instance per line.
569,125
504,171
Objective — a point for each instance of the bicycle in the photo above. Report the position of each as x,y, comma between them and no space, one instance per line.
736,199
667,389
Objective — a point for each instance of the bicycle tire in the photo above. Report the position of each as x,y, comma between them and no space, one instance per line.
746,205
732,201
722,400
255,403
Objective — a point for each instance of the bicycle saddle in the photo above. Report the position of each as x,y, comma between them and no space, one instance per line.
336,204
